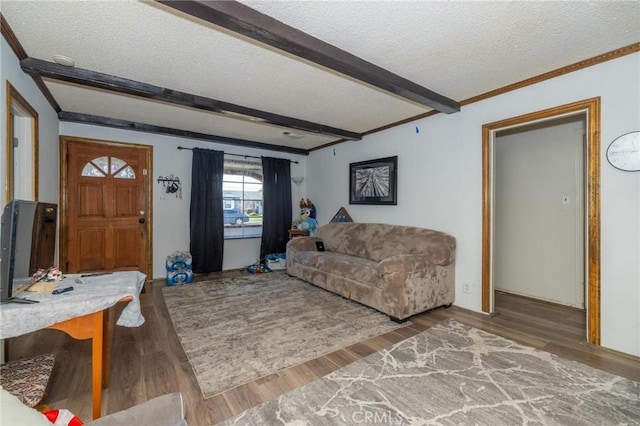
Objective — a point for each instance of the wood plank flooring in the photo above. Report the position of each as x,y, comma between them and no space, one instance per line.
148,361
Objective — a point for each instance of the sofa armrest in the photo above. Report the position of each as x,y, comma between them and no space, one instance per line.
402,263
300,244
413,283
164,410
303,244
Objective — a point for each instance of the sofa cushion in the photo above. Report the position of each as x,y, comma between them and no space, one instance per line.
352,267
163,410
378,241
14,412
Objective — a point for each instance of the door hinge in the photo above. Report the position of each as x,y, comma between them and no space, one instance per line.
16,142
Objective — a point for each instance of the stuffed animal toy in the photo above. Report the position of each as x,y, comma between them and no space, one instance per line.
308,220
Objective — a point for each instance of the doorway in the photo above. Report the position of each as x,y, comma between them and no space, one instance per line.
105,203
538,232
21,180
589,250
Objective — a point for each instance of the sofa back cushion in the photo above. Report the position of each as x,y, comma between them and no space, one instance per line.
378,241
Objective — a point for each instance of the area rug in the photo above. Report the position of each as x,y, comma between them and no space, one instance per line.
452,374
236,330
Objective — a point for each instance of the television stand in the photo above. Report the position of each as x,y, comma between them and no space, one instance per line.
18,300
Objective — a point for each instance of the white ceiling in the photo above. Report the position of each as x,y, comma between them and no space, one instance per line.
457,49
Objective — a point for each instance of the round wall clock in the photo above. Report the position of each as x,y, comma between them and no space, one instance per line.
624,152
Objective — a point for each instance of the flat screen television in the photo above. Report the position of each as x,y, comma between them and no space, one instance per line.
18,220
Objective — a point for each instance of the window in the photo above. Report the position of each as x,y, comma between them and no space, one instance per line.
99,167
242,199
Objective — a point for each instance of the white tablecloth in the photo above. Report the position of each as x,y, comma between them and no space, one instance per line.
96,294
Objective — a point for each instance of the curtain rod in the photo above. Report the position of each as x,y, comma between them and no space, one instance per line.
240,155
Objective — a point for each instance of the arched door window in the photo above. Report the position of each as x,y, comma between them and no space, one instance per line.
105,166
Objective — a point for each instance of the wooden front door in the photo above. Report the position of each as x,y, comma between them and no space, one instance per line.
105,223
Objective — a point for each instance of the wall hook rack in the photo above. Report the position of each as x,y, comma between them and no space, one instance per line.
169,179
171,184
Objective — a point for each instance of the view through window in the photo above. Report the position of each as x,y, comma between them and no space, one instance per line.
242,199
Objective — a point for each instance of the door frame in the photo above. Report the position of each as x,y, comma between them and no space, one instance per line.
64,230
592,203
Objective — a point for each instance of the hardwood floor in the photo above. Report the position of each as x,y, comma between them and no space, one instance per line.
148,361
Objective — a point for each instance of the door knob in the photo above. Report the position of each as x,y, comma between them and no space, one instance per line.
142,220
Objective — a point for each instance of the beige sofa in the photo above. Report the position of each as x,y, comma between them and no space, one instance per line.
398,270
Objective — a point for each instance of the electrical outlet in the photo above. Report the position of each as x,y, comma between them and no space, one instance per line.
466,288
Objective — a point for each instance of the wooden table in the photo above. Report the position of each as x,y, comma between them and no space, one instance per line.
298,233
93,326
82,314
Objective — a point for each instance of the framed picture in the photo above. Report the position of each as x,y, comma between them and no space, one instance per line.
342,216
374,181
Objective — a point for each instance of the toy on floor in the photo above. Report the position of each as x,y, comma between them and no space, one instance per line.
258,268
63,418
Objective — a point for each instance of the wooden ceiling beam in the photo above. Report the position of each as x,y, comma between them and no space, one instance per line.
248,22
40,68
116,123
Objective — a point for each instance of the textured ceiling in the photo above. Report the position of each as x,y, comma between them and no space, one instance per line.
457,49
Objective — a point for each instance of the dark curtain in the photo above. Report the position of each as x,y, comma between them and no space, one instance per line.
206,223
276,218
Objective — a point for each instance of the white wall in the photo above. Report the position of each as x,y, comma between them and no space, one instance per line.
538,247
440,183
47,131
171,214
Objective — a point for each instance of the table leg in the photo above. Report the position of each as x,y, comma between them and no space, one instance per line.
96,363
106,339
89,327
95,327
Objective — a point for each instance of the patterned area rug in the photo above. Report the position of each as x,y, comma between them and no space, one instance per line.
236,330
456,375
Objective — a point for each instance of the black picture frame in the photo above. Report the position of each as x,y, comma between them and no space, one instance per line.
374,182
